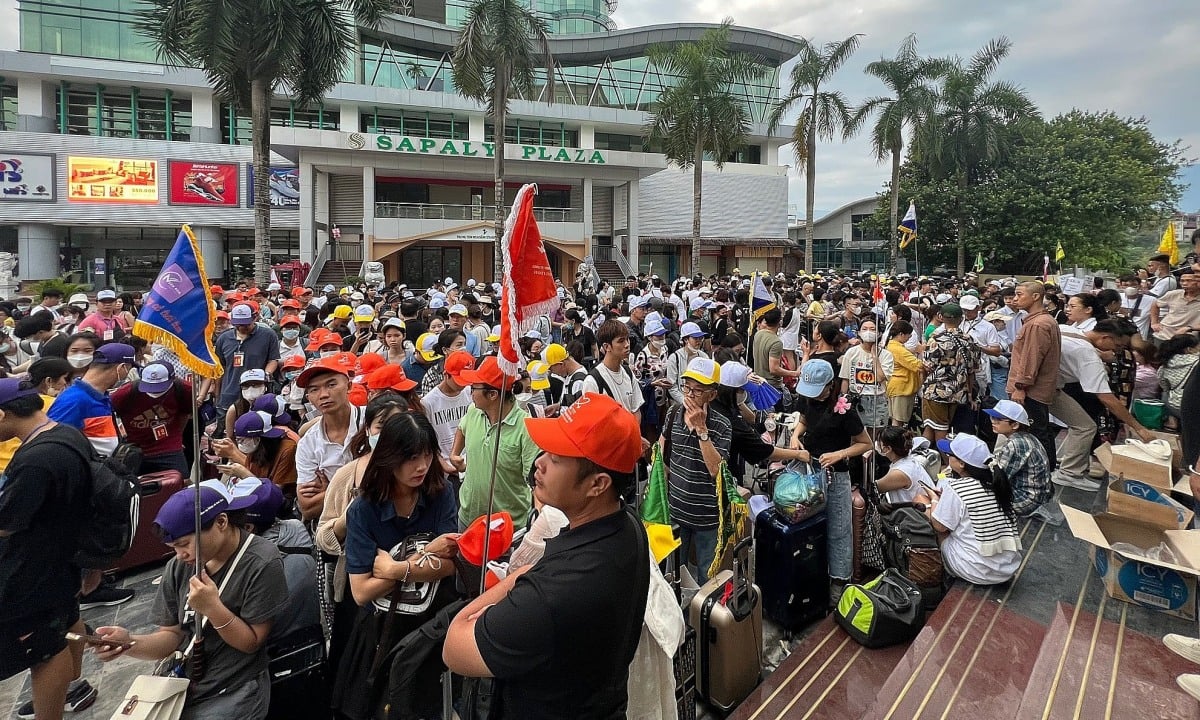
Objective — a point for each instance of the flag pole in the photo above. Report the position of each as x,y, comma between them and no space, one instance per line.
195,477
487,523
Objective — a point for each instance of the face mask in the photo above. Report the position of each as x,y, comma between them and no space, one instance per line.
291,334
372,439
656,341
868,336
328,353
252,393
79,361
133,375
24,308
568,326
1131,292
291,376
247,445
5,348
157,394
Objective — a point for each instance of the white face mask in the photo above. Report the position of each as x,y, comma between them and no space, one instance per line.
372,439
291,334
79,361
868,336
1131,292
328,353
247,445
252,393
157,394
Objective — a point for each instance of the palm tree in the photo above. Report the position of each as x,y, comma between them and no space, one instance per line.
501,47
911,102
699,114
250,49
824,114
972,125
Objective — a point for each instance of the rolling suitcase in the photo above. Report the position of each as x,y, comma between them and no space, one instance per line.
792,568
858,524
154,490
727,617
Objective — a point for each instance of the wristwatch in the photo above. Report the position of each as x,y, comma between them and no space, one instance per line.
703,437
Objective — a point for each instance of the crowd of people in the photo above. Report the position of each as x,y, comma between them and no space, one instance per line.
349,421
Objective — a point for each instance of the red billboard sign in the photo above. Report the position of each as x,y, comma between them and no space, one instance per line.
200,183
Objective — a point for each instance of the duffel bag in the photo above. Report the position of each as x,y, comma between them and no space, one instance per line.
885,611
911,547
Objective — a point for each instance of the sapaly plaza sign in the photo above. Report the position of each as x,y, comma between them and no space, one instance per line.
471,148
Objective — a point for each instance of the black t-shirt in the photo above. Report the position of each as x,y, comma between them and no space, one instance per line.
746,442
561,642
44,494
414,329
828,431
583,335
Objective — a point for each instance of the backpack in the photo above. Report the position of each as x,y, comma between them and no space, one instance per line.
575,378
602,384
108,528
910,546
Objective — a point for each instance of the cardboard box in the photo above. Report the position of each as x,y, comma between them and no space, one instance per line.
1152,472
1136,499
1167,587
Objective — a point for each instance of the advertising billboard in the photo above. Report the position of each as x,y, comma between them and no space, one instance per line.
285,186
26,177
199,183
112,180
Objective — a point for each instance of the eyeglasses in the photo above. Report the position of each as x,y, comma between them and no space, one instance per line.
691,391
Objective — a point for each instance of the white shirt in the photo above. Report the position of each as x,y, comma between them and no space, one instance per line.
1080,363
1164,285
960,549
445,413
985,335
1084,325
859,369
912,468
1013,327
1138,311
315,451
624,389
286,351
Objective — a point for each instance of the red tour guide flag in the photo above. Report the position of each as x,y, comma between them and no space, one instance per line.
528,288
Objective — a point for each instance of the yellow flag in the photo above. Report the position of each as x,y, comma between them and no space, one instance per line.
1168,246
1059,253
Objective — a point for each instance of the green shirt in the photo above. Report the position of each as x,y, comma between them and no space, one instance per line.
517,453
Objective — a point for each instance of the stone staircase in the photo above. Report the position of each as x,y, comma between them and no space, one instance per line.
1050,645
335,273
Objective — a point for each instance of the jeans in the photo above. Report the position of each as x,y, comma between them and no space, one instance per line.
705,542
999,382
839,516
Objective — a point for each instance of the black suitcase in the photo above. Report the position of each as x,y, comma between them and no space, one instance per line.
792,568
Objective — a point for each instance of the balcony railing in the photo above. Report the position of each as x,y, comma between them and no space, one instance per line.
425,211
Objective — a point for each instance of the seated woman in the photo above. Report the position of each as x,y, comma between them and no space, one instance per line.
907,477
973,515
403,494
240,591
263,448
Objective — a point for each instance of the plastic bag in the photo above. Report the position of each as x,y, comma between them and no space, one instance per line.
800,492
1158,553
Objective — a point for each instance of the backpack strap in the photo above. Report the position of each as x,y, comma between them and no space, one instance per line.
601,383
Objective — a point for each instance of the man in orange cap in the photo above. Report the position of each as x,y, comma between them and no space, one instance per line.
446,404
325,446
561,633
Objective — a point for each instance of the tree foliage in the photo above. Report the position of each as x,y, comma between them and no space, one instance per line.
700,114
1090,180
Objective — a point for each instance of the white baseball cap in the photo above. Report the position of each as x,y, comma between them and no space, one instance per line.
691,330
253,375
106,295
1009,410
734,374
655,327
968,302
637,301
968,448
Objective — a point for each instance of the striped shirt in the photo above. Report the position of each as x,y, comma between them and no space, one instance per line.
692,492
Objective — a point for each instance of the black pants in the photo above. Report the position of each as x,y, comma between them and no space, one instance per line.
1039,419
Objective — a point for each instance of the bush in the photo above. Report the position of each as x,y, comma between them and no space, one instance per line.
68,288
355,280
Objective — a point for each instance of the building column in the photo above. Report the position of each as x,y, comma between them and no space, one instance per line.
348,117
308,230
633,224
476,128
35,107
368,238
212,247
587,137
587,216
37,250
206,117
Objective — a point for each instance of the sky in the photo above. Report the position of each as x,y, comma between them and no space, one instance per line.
1138,59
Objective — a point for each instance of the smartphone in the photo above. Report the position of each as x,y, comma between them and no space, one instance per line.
98,641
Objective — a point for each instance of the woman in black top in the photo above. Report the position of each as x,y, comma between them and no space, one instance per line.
830,432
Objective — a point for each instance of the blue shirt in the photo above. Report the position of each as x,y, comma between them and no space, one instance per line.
376,526
260,348
88,410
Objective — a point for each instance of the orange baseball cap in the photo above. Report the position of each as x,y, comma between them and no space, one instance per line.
293,304
370,361
596,427
456,362
389,377
342,364
216,290
470,543
301,290
323,336
488,373
294,361
358,395
222,314
233,297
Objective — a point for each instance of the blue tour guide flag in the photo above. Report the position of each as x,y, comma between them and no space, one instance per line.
908,226
178,312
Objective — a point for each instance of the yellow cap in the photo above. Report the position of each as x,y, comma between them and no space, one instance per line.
554,353
342,312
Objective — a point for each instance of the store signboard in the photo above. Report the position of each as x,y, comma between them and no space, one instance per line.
199,183
26,177
112,180
285,186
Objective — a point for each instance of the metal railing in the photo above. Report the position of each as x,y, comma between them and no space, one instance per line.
611,253
318,264
425,211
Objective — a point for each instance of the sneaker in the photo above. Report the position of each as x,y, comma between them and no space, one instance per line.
105,596
80,696
1190,685
1096,471
1183,646
1049,514
1066,479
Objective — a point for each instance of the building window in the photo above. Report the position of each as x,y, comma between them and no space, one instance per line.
236,130
239,245
8,107
861,233
527,133
84,28
417,124
421,267
123,112
748,154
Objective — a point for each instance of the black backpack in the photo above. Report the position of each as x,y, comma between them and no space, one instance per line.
910,546
108,528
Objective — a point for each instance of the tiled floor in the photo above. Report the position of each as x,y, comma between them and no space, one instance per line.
112,679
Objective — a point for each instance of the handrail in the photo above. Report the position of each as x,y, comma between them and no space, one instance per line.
318,264
622,262
428,211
